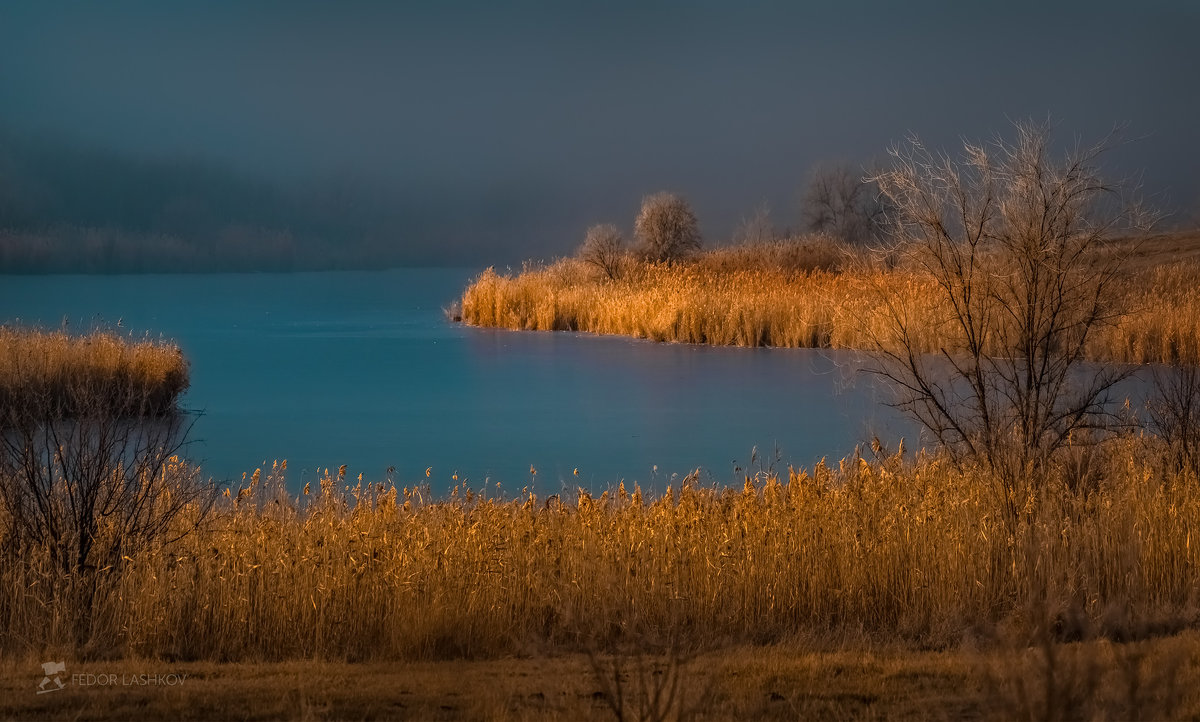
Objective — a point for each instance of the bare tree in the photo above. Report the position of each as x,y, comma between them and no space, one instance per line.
666,228
756,228
604,248
843,203
1016,244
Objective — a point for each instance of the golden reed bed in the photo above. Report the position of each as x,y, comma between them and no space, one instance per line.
55,370
895,551
795,294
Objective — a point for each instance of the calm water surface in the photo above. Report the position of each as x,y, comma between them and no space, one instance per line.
361,368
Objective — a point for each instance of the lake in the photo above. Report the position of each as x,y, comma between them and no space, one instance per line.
363,369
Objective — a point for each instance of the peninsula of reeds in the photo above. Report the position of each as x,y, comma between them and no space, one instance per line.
811,292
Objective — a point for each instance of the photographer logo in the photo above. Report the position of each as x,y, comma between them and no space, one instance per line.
52,681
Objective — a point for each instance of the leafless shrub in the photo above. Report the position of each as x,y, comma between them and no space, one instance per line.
843,203
1012,239
655,688
604,249
88,467
1174,411
643,670
666,228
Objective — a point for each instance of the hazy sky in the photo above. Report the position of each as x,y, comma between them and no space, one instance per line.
728,103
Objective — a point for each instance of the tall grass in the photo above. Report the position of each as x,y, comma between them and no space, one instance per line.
904,551
810,293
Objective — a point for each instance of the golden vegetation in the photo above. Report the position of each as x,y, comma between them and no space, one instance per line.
908,552
37,368
804,293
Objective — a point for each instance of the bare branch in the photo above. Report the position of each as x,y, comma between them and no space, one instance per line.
1013,241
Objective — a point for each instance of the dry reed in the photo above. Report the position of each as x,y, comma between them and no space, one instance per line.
46,369
804,294
913,552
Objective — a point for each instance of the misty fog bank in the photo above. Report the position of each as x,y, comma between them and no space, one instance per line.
70,208
142,135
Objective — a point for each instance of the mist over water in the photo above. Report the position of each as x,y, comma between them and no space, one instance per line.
142,136
363,369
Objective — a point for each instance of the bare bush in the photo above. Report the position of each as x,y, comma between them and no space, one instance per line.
604,249
1174,409
84,457
666,228
1014,241
639,689
842,202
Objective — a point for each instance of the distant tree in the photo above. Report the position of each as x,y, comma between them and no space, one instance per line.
843,203
666,228
604,248
756,228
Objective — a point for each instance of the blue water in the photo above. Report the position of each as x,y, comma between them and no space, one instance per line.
363,369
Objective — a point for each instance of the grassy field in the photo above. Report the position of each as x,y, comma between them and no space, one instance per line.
813,293
1095,680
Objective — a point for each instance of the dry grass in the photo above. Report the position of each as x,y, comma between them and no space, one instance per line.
38,369
911,552
761,683
813,293
783,682
763,296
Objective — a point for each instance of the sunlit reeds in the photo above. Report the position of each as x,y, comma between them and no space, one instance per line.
49,368
803,294
908,551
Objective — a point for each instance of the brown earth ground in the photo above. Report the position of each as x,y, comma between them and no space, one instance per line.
783,682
